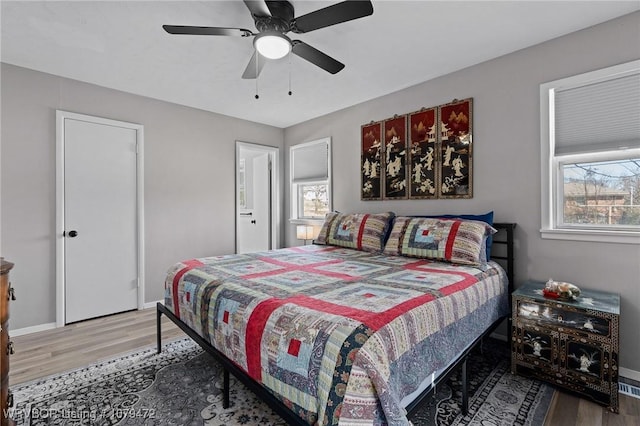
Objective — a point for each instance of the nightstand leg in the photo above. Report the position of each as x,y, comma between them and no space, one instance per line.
159,329
465,395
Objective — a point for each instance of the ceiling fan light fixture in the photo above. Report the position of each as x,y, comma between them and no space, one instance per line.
272,44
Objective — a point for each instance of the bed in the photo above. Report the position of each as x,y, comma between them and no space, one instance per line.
359,329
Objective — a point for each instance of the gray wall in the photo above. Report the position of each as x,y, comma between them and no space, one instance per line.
189,174
506,165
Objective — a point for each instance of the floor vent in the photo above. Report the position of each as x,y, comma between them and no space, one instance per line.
630,390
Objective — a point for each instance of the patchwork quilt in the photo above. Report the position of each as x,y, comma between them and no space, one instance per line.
339,335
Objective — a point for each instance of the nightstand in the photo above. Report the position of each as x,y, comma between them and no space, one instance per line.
570,344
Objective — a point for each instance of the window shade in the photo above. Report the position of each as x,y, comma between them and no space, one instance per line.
310,162
599,116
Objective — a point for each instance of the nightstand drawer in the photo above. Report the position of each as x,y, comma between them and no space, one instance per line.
562,317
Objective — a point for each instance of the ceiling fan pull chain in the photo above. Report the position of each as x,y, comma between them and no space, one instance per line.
257,60
290,92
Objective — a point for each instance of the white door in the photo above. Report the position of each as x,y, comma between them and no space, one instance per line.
100,219
255,182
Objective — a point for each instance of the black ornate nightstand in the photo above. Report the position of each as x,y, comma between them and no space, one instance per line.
570,344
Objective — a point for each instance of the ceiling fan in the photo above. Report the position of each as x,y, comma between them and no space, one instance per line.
273,19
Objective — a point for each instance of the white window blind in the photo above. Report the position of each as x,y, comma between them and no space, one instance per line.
310,162
599,116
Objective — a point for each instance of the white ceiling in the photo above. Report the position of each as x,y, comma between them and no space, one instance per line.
121,45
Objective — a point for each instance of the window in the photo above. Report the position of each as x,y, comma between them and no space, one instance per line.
311,180
590,135
601,193
315,200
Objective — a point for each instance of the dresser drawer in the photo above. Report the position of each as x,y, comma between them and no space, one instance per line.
6,296
4,301
4,359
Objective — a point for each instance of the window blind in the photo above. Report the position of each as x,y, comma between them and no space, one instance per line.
599,116
310,162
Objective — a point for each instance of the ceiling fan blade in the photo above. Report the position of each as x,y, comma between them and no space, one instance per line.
331,15
252,71
217,31
257,8
316,57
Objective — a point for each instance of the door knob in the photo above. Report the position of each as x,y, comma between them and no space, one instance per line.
73,234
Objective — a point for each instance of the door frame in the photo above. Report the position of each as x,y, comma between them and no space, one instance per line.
274,157
61,116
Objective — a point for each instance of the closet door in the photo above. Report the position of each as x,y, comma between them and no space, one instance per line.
100,217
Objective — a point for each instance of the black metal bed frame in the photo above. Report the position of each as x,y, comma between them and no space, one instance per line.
505,238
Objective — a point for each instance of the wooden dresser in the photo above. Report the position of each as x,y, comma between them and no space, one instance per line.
570,344
6,348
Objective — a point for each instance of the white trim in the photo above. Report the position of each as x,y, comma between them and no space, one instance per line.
60,272
61,116
305,221
140,205
547,136
629,374
595,235
33,329
150,305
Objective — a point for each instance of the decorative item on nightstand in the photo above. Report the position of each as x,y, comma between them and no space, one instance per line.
571,342
560,290
305,232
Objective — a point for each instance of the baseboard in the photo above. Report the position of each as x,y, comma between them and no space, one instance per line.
32,329
50,326
629,374
152,304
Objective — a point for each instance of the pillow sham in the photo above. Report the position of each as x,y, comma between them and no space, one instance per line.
359,231
324,230
452,240
487,218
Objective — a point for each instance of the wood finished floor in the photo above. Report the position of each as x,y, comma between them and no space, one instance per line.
77,345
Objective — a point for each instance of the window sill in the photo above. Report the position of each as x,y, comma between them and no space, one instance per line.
296,221
619,237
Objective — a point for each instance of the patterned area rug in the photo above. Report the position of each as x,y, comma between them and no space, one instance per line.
182,386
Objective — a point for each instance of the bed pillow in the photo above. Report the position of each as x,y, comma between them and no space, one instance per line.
452,240
487,218
324,230
359,231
